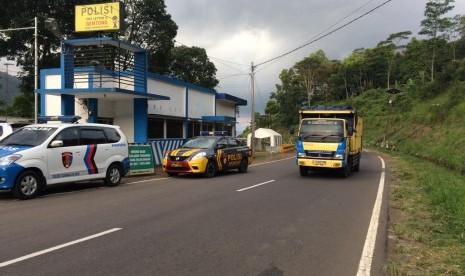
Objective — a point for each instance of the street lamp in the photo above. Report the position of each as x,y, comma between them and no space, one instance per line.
36,63
392,91
52,25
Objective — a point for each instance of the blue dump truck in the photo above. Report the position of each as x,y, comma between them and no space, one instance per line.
329,138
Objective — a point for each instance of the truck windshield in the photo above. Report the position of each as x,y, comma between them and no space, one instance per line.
28,136
322,131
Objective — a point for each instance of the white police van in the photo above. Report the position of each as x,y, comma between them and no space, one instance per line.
39,155
5,129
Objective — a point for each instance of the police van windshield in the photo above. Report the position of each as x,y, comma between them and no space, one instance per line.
321,130
200,143
28,136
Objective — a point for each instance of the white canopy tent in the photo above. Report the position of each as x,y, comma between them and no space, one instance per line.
263,133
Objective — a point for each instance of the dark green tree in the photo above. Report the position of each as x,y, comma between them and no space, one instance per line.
455,33
147,25
435,26
192,64
395,48
414,64
311,73
289,96
150,26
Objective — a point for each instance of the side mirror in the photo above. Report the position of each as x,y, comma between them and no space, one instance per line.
56,144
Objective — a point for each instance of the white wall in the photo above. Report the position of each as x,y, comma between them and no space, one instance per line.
81,80
201,104
225,109
173,107
52,102
81,110
124,117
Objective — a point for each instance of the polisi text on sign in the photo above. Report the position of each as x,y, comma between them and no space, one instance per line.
97,10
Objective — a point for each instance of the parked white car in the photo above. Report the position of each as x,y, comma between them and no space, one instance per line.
5,129
35,156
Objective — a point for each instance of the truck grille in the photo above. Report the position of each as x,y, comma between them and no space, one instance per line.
320,154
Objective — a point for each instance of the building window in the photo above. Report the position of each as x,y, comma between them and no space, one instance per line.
155,128
174,129
194,129
103,120
207,126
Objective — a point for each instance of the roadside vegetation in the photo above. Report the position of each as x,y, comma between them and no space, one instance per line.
411,93
424,137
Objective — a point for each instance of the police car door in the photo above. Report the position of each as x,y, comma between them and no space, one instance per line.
222,154
65,163
97,150
235,155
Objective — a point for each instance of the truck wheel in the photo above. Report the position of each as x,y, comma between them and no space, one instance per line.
113,177
345,172
243,166
303,171
210,170
357,166
27,185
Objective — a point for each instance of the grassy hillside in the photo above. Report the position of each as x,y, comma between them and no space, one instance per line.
431,128
424,131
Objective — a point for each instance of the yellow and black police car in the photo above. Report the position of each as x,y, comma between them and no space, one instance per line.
208,154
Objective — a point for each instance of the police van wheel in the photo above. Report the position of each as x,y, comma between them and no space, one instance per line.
113,177
27,185
243,166
210,169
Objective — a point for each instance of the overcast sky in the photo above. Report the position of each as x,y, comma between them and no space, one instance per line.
236,33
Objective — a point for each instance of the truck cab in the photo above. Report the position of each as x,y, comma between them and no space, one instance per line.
329,138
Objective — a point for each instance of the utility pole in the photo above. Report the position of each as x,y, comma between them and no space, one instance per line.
252,123
7,91
36,69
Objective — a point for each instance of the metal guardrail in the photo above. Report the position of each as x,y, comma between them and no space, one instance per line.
286,148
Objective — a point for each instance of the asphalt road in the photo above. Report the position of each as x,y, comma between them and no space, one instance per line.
268,222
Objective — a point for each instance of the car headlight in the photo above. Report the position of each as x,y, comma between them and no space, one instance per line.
199,155
301,154
9,159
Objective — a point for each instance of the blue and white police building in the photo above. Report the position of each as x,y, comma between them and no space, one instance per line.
105,80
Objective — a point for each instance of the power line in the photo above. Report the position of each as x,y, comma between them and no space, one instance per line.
325,35
235,75
359,8
235,63
222,61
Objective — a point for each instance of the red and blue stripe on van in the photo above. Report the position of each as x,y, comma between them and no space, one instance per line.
89,159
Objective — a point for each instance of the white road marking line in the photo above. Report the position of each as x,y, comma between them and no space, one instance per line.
147,180
251,187
364,267
57,247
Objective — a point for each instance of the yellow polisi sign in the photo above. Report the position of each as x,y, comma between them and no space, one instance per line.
99,17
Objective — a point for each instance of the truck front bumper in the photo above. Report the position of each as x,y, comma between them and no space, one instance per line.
320,163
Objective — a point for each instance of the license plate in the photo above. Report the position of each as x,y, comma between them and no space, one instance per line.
319,163
176,164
